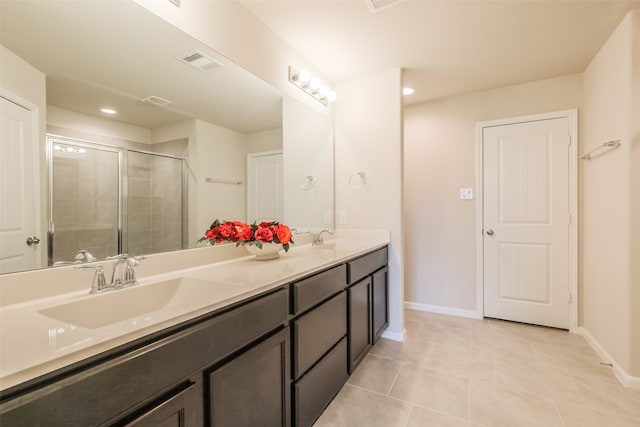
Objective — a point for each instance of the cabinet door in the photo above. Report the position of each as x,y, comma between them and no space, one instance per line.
253,389
380,310
181,410
359,321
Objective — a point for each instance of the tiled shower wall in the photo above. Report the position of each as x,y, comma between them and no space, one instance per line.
85,204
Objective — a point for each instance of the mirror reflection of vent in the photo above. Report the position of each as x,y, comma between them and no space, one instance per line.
200,61
378,5
156,100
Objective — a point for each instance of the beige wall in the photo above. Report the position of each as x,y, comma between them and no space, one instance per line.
225,158
308,151
267,140
635,200
368,138
610,297
440,158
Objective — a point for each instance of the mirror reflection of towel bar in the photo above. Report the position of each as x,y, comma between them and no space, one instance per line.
609,144
223,181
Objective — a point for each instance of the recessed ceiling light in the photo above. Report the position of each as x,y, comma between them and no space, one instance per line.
408,90
108,111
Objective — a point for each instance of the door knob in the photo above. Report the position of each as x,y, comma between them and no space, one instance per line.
32,240
490,232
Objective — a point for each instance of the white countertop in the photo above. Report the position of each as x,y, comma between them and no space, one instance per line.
37,336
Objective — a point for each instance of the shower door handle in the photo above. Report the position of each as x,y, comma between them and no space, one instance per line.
32,240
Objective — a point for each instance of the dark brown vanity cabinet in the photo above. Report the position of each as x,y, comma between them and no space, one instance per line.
277,359
367,292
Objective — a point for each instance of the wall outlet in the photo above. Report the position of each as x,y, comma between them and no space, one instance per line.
328,217
342,217
466,193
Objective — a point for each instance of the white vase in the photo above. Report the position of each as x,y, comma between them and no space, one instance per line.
267,252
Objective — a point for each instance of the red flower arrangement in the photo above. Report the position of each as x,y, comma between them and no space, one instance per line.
248,234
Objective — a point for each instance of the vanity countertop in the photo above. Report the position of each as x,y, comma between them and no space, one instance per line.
43,335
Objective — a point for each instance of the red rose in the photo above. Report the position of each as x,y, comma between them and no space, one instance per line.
243,231
284,234
210,234
266,224
264,234
227,231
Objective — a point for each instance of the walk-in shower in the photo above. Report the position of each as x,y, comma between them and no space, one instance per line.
109,200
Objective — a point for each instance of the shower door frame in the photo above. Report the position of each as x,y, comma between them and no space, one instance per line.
123,153
84,144
184,201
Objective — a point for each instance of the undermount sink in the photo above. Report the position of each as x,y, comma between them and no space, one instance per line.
96,311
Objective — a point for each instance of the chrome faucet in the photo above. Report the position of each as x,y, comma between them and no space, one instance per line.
317,237
123,273
81,257
99,284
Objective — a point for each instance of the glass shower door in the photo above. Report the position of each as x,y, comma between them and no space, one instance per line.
84,199
154,203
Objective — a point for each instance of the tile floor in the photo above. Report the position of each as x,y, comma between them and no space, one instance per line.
453,371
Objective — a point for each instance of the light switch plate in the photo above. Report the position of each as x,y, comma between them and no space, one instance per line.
327,217
343,217
466,193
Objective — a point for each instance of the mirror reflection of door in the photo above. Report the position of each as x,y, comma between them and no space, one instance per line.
264,187
84,198
19,231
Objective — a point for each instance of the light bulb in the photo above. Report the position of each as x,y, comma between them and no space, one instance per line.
314,84
57,148
304,76
331,96
323,91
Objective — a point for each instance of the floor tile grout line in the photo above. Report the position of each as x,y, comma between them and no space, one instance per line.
406,421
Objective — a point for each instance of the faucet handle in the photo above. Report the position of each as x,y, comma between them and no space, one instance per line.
84,255
117,257
129,272
99,283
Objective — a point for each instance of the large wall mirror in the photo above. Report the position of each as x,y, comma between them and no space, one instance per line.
151,177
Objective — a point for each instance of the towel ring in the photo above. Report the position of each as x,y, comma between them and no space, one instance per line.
356,180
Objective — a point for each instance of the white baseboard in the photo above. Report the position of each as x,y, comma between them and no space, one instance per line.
626,379
395,336
442,310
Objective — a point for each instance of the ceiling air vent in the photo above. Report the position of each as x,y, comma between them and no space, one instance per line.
156,100
378,5
200,61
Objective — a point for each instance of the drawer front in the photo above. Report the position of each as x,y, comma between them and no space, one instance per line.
312,290
318,387
367,264
317,331
121,384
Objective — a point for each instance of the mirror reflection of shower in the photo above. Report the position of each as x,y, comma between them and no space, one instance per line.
109,200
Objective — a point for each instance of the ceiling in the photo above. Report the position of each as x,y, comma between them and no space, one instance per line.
445,47
114,53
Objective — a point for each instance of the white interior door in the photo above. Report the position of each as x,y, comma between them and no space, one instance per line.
526,222
264,187
17,189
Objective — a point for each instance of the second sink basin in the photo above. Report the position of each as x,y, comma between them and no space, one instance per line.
96,311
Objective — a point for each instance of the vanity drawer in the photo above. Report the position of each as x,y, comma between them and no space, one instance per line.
317,331
314,289
318,387
367,264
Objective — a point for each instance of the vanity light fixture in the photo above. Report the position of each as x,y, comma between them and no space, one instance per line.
408,91
108,111
311,85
